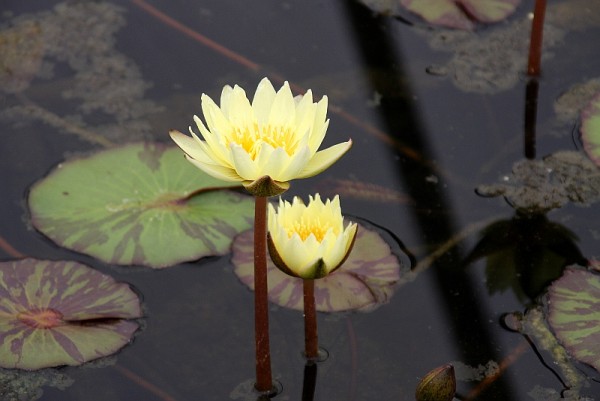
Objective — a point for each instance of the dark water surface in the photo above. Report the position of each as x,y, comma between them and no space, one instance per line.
421,128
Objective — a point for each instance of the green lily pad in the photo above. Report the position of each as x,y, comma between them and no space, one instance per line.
590,129
460,14
141,204
574,314
366,280
61,313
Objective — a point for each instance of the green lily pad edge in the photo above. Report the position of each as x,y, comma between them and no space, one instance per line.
139,204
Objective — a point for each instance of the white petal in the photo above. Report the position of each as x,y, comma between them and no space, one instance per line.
243,164
217,171
225,99
214,144
272,162
283,110
324,158
263,100
217,123
240,113
190,146
295,164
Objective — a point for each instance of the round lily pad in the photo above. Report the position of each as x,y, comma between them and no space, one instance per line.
590,129
140,204
366,280
574,314
459,14
61,313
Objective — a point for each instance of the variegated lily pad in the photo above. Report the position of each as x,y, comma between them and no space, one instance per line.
61,313
574,314
141,204
590,129
366,280
460,14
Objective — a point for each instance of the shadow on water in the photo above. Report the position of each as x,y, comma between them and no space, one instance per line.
435,218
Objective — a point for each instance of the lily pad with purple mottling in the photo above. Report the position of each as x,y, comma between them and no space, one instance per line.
61,313
366,280
574,314
140,204
590,129
461,14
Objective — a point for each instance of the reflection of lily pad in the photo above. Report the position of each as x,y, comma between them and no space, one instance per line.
461,13
140,204
366,280
61,313
574,314
590,129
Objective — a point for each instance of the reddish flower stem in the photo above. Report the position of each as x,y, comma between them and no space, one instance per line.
311,339
535,43
264,382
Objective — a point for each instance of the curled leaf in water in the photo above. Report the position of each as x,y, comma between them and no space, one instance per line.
437,385
574,314
590,129
139,204
61,313
367,279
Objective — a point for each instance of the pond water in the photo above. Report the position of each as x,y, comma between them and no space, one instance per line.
433,114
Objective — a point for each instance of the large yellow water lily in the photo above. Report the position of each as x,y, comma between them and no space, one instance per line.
274,139
309,241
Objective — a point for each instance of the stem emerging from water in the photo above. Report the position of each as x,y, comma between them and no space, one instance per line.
311,340
535,43
264,382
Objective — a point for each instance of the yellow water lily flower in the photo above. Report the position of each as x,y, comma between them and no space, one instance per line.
265,144
309,241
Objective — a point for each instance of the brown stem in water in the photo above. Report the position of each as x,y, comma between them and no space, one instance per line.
535,43
311,339
264,381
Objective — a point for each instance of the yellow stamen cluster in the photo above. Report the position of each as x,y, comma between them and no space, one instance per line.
305,227
251,138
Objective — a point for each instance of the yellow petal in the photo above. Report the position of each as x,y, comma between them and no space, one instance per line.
324,158
190,146
217,171
263,100
243,164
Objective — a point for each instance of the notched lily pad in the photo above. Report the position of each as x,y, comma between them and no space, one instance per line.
141,204
590,129
61,313
574,314
461,14
366,280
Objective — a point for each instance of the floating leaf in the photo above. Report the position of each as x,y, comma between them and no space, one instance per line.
574,314
366,280
460,14
61,313
140,204
590,129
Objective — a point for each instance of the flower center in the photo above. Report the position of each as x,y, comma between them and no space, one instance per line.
251,138
41,318
304,228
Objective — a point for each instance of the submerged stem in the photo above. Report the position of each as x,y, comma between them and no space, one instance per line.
264,382
311,340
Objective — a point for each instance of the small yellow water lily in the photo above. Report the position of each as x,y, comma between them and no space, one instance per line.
265,144
309,241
